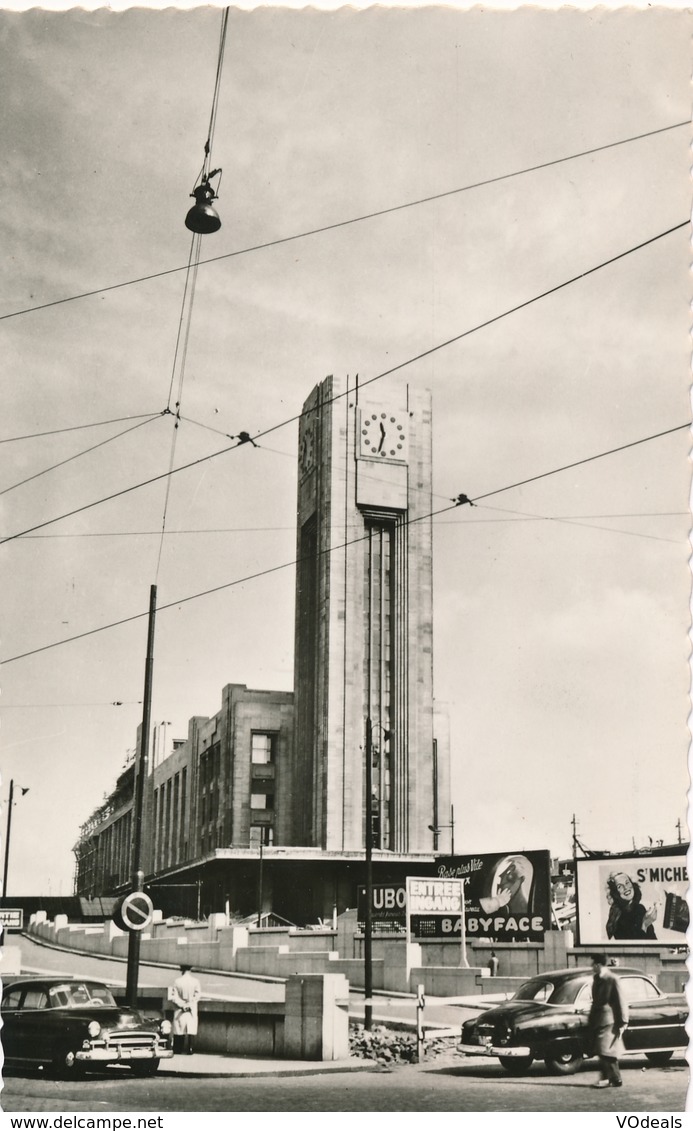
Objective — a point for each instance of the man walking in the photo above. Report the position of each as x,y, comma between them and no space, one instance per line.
607,1022
185,994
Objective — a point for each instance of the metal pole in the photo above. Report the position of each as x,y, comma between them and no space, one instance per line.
141,774
260,892
368,924
7,840
420,1006
463,930
452,831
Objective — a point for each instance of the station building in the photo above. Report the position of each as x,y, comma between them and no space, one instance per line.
263,805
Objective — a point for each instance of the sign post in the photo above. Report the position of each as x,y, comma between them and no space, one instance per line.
435,910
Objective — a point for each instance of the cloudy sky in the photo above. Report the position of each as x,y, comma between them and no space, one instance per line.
561,607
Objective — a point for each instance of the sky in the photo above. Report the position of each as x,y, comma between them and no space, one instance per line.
560,606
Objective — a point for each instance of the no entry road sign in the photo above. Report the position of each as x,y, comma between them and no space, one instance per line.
135,912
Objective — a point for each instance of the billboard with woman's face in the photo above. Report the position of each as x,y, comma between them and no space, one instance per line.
507,895
633,900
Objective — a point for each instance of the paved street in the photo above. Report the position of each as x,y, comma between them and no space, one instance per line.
444,1085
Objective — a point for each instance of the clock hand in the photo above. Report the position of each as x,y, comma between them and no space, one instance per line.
382,435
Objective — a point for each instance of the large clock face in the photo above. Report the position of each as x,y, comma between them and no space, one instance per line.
306,449
383,435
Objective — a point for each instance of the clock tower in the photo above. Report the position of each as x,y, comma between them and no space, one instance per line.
363,643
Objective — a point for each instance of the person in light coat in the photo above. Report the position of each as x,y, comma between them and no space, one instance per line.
607,1022
185,993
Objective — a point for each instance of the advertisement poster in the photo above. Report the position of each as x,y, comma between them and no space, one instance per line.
639,900
507,895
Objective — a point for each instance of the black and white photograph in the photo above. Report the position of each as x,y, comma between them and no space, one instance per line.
345,515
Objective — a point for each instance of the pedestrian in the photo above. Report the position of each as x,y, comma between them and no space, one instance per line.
493,964
185,993
607,1021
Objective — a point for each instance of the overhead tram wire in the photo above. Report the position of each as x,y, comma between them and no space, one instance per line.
346,223
185,321
77,455
185,317
79,427
335,549
522,518
567,521
363,384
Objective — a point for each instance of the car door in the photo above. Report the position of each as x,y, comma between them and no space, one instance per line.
35,1030
656,1021
12,1036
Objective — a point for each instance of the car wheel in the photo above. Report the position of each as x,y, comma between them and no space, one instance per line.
517,1065
662,1057
144,1067
564,1063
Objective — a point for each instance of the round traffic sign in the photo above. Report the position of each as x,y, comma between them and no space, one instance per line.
135,912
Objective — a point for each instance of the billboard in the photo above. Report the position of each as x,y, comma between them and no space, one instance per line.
507,894
434,907
388,904
636,900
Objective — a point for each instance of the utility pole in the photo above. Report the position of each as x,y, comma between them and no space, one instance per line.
141,774
7,839
574,826
10,804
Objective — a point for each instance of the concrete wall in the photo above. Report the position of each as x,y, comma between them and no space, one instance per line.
282,952
312,1023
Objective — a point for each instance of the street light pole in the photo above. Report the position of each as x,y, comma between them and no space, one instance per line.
142,770
436,830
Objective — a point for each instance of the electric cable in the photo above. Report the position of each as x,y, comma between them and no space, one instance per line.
591,526
328,550
522,519
346,223
369,381
78,427
77,455
185,319
180,353
578,463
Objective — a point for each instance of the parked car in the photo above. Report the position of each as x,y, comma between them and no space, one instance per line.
73,1024
547,1020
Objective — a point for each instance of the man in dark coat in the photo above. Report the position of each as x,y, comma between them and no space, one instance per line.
607,1022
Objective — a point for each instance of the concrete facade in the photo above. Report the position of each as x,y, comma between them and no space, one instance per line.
364,621
225,785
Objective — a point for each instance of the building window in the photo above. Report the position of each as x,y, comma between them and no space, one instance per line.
261,834
262,749
262,801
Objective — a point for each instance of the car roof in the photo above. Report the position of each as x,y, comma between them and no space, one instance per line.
47,980
583,972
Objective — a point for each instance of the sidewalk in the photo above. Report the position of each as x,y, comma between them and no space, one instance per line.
209,1064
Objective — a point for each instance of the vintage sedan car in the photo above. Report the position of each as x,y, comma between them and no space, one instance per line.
547,1020
74,1024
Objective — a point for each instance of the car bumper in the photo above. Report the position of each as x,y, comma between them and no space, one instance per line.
107,1055
510,1051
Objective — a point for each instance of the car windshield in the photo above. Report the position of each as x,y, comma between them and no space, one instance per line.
77,995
